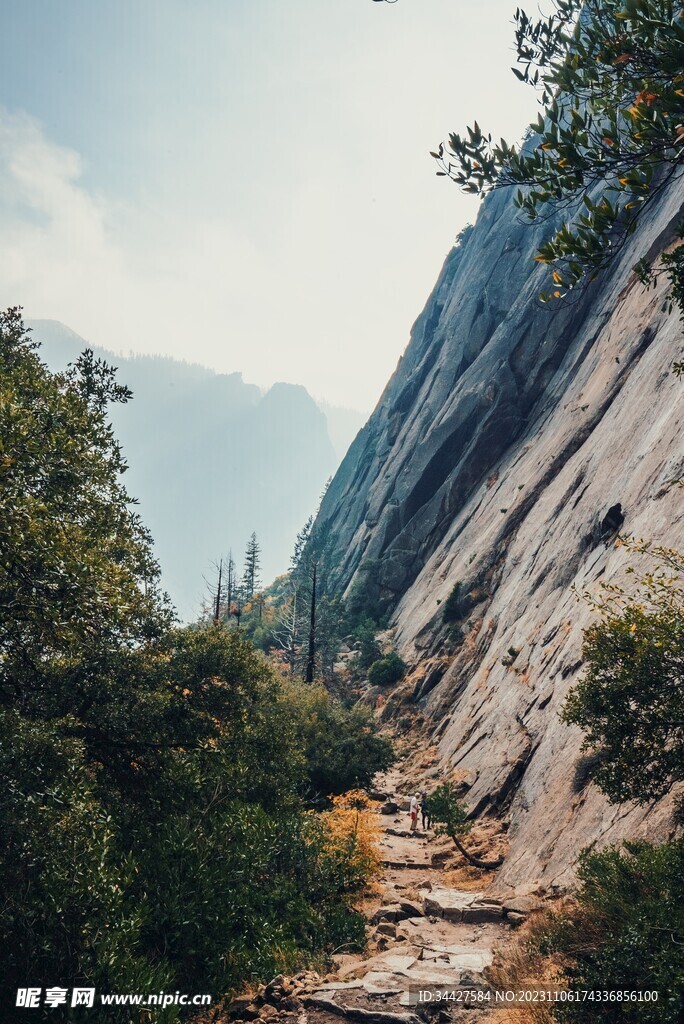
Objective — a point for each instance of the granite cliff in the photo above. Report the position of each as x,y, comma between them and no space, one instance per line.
507,432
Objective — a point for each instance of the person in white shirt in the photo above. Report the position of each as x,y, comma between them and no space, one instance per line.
413,810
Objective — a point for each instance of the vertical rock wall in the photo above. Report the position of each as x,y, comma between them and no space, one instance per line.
505,434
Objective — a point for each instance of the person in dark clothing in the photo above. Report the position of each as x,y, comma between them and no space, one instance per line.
425,810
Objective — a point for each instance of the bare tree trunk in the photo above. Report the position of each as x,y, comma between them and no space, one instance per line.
293,636
217,603
231,574
311,660
475,861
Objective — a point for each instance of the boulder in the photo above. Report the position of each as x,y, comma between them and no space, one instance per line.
243,1008
393,912
515,919
523,904
398,911
389,807
482,914
410,909
386,928
448,903
291,1003
276,989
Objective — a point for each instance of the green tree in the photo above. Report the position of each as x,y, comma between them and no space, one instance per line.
387,670
450,818
76,571
630,702
341,746
623,932
250,579
610,138
313,635
150,776
369,651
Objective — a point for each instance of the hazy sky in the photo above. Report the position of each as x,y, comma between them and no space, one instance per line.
243,183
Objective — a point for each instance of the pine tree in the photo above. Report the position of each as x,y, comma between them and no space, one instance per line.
251,580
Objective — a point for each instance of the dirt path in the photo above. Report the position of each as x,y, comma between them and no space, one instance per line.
425,933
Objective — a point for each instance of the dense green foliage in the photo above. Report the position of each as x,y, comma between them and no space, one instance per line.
387,670
342,747
451,611
630,702
625,929
365,599
365,636
609,139
624,933
151,777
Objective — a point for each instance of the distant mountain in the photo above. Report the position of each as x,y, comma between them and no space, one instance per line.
212,459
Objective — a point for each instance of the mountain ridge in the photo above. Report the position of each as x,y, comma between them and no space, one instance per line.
206,454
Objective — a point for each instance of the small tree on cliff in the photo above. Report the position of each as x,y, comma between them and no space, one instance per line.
611,80
451,819
630,702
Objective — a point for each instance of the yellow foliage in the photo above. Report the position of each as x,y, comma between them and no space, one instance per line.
352,835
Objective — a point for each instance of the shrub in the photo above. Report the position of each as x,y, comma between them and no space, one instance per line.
624,931
364,600
151,777
364,634
630,702
451,612
387,670
351,840
340,746
586,767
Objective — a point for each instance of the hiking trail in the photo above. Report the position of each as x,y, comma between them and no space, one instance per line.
429,927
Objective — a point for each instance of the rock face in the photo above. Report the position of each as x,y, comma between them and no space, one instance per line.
507,445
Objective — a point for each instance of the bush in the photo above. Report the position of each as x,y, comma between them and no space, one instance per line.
630,702
364,600
387,670
625,931
340,746
451,612
151,777
364,635
586,767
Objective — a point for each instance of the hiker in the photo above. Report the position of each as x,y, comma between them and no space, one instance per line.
425,810
413,811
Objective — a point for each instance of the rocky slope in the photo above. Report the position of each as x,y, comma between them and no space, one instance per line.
506,433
